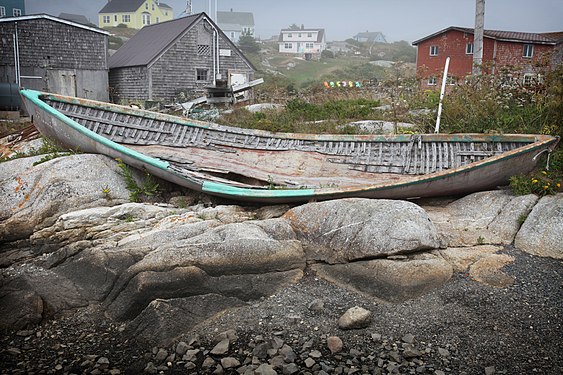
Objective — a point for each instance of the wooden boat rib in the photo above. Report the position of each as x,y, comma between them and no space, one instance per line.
253,165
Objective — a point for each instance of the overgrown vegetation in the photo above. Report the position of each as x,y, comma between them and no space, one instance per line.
47,148
301,116
138,193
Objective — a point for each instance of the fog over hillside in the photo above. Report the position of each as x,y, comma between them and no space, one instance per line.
398,19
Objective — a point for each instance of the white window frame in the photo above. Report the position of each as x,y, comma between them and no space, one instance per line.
198,75
528,51
17,12
157,19
309,35
309,45
115,18
434,50
125,18
469,48
2,11
288,45
146,18
432,81
290,35
106,19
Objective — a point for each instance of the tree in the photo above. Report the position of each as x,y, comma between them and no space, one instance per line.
248,44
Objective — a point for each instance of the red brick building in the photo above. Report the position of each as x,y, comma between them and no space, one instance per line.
518,51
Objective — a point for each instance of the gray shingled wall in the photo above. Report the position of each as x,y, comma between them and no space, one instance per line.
52,49
175,70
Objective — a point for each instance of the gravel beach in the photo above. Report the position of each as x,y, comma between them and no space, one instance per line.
465,327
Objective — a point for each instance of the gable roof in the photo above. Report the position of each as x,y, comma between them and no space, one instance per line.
116,6
78,18
320,33
55,19
239,18
551,38
153,40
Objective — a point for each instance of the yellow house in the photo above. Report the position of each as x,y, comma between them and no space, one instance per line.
134,13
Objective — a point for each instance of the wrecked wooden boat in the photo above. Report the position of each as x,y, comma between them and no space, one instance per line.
260,166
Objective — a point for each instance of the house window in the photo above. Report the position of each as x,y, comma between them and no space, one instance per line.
431,81
451,80
309,45
232,35
153,7
203,49
433,50
469,49
528,50
146,6
2,11
290,35
166,13
17,12
106,19
115,18
202,74
288,46
126,18
146,19
309,35
157,19
299,35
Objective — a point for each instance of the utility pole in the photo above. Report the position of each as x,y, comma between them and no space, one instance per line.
189,9
478,36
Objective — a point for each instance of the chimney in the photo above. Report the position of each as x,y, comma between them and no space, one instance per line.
231,9
302,27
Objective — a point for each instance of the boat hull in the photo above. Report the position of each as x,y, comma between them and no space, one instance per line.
345,164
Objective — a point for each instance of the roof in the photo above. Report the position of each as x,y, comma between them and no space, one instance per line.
369,34
320,33
153,40
230,27
78,18
55,19
239,18
150,41
552,38
116,6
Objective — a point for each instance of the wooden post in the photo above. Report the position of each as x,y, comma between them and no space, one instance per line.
478,36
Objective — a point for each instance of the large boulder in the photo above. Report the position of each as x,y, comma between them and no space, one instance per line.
489,217
243,260
542,232
388,279
346,230
34,196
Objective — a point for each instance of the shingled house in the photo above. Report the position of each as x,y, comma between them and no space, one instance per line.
518,51
235,24
186,55
50,54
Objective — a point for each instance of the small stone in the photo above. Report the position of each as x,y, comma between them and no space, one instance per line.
334,344
408,338
376,336
150,368
309,362
14,351
265,369
182,348
315,354
114,371
355,318
490,370
444,352
24,333
221,348
439,372
208,362
229,362
316,305
411,352
161,355
290,369
103,363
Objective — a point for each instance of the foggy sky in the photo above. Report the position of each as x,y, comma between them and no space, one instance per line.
397,19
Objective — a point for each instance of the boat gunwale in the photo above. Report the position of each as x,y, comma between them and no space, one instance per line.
433,137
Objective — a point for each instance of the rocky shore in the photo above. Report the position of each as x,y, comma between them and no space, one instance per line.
92,283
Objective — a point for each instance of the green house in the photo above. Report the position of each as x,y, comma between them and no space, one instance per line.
134,13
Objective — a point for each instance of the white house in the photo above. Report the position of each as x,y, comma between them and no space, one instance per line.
303,42
235,24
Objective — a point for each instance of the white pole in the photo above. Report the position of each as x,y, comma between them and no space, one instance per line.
17,55
442,91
